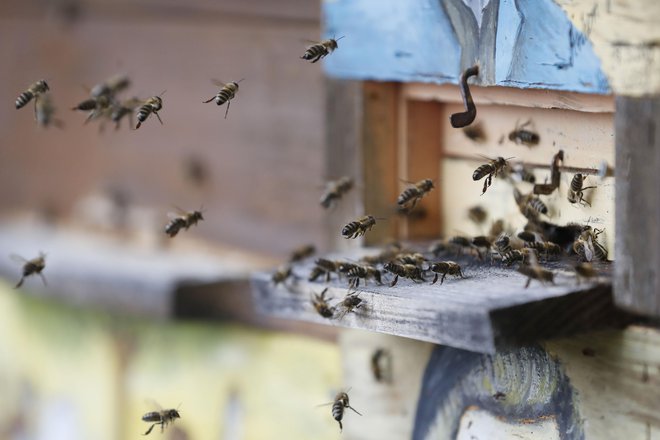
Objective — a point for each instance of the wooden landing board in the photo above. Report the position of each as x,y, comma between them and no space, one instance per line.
488,308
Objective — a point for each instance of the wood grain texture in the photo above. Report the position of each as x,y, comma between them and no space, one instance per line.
518,44
625,36
636,282
487,308
379,157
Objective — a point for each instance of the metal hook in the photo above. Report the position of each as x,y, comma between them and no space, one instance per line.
459,120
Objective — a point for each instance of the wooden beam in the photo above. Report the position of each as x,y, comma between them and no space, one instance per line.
488,308
637,269
379,156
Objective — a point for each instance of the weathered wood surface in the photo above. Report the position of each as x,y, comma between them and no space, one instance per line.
624,36
604,384
93,270
487,308
516,44
637,284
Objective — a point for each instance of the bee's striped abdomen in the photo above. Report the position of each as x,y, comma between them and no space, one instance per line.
338,412
223,96
482,171
23,99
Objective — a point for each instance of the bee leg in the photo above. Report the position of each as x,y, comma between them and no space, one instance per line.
529,280
20,283
483,191
435,279
396,278
341,427
43,278
313,61
442,280
227,111
138,124
149,430
35,108
212,98
460,273
160,120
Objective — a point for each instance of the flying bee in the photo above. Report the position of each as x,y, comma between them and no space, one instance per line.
111,86
529,205
477,214
335,190
162,418
45,111
96,107
488,170
533,271
350,302
31,267
321,305
445,268
33,92
302,252
523,173
475,133
339,405
281,275
575,192
123,109
525,137
321,49
381,365
226,94
358,227
361,271
151,105
404,270
182,220
409,198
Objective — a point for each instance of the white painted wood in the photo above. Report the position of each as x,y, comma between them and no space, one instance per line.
477,424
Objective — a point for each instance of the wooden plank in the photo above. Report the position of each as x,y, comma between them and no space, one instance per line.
379,157
636,281
422,156
343,155
476,313
536,47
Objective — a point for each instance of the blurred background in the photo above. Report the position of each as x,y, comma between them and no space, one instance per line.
118,330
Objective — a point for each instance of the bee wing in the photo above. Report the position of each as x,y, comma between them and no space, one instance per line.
218,83
151,403
309,41
324,404
17,258
179,212
485,157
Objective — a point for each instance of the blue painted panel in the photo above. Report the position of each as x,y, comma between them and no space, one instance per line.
530,43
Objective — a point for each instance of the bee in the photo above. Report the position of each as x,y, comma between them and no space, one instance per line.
31,267
575,192
162,418
358,227
350,302
497,228
182,220
125,108
388,253
151,105
523,173
335,190
529,205
404,270
460,244
548,248
339,405
325,267
482,241
584,271
45,111
503,244
321,49
477,214
111,86
281,275
525,137
437,247
512,256
381,365
410,258
361,271
226,93
527,236
409,198
475,133
445,268
489,170
320,303
302,252
96,107
590,236
33,92
533,271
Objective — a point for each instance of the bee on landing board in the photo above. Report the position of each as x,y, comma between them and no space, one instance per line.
226,94
31,267
162,418
339,405
281,275
488,170
533,271
404,270
335,190
359,227
350,302
321,305
33,92
445,268
182,220
362,271
321,49
410,196
151,105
